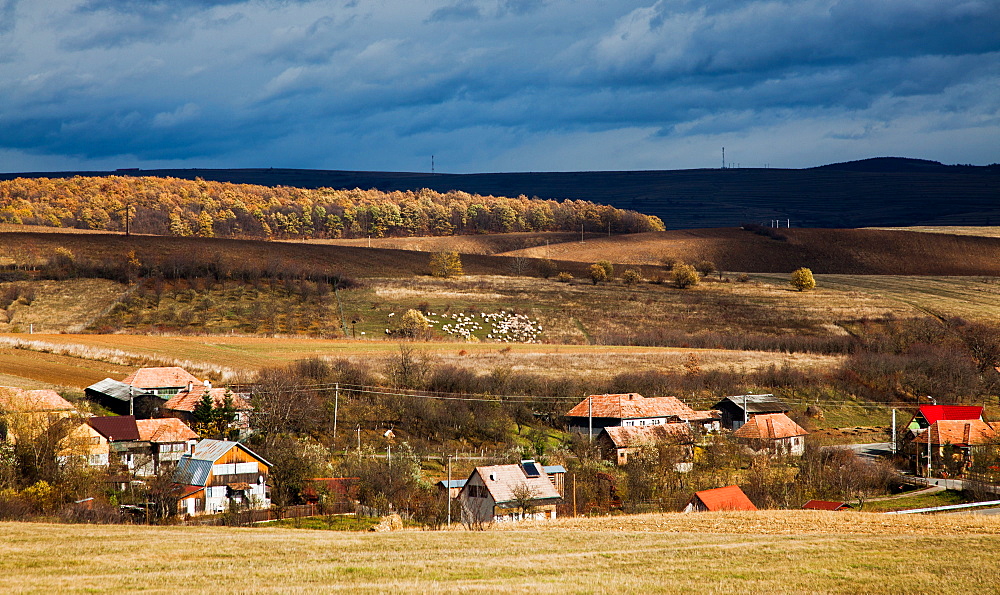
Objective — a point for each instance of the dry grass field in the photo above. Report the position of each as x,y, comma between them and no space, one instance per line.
80,360
766,552
957,230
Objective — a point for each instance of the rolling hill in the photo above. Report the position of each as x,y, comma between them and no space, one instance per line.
873,192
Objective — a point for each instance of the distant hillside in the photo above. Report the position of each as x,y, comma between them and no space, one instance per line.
871,192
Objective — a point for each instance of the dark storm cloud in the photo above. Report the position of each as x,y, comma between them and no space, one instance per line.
524,84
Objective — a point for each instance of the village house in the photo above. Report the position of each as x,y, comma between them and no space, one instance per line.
30,413
556,474
163,382
84,444
718,499
597,412
144,446
952,443
616,443
183,403
218,472
773,432
508,493
736,410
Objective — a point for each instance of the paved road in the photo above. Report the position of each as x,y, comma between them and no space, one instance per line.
875,450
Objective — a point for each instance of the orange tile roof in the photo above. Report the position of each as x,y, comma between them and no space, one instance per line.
769,426
186,401
166,377
727,498
168,429
626,437
960,432
633,405
26,401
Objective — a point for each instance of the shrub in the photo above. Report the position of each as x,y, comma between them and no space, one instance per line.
546,268
413,324
564,277
446,264
609,269
802,279
597,273
706,267
684,275
631,277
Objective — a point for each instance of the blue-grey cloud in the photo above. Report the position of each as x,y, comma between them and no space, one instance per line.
522,84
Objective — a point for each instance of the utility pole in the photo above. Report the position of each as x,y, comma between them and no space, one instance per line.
893,432
359,440
448,491
590,418
574,495
581,233
432,163
336,404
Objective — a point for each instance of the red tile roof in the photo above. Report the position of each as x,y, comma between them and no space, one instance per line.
15,399
769,426
933,413
166,377
727,498
634,405
168,429
186,401
626,437
959,432
825,505
115,427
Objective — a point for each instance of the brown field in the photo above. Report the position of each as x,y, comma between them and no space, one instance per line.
843,251
477,244
765,552
75,360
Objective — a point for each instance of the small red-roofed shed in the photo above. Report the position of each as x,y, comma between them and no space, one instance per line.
727,498
825,505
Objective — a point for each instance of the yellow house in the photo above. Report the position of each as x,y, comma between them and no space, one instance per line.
86,444
30,413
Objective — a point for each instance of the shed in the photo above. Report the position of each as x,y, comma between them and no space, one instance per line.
122,399
825,505
727,498
736,409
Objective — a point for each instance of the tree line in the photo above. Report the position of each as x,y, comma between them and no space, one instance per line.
174,206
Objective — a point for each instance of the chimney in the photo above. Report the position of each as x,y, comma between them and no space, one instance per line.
968,433
190,386
208,384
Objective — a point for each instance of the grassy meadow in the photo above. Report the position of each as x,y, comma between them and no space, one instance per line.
765,552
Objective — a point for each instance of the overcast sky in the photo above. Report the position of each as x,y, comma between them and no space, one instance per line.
495,85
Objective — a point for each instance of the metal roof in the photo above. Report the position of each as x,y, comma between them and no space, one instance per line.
115,389
455,483
550,469
193,472
213,450
756,403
